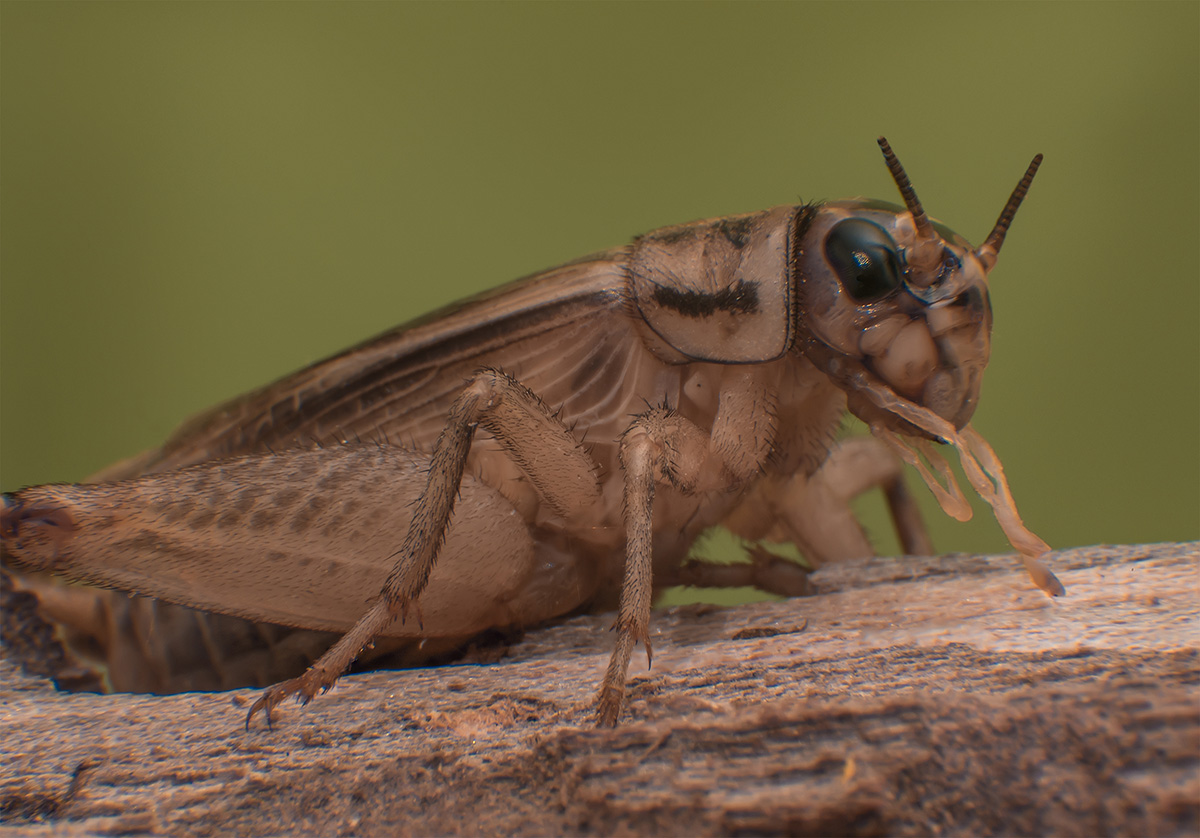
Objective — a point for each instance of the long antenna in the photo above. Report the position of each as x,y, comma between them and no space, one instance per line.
911,201
990,249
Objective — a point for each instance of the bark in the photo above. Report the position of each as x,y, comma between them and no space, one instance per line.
909,697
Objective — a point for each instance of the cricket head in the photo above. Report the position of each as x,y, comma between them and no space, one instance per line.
895,306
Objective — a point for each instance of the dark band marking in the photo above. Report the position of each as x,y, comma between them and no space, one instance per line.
741,297
736,230
674,235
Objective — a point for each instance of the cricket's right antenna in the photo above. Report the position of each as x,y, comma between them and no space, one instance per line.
990,249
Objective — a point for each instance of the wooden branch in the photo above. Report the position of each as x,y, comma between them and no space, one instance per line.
910,697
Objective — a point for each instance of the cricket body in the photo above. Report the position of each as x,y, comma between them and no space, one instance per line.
561,442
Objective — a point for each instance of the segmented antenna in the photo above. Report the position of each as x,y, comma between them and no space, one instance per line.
990,249
924,228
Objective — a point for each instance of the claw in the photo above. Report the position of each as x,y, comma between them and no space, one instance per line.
608,707
255,707
301,687
266,702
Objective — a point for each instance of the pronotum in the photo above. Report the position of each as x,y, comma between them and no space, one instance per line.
554,445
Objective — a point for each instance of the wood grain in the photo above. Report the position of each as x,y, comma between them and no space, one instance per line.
909,697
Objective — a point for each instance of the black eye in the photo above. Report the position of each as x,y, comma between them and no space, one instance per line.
865,258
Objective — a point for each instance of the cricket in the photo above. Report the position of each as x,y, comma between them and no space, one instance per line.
553,446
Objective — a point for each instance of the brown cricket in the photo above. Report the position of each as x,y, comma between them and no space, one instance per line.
553,445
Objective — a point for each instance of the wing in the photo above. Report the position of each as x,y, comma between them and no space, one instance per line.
563,332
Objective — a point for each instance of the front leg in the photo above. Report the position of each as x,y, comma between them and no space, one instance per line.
814,511
661,446
540,444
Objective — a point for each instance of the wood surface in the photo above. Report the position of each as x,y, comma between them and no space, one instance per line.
940,696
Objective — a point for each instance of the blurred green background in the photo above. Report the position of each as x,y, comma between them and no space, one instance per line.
196,199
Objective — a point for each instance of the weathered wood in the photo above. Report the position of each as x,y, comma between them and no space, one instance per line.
912,697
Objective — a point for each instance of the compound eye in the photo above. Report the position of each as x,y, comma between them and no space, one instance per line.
865,258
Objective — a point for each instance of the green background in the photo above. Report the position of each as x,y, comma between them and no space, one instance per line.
196,199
